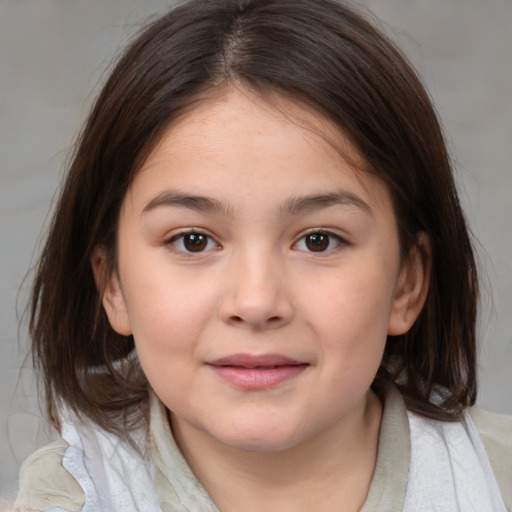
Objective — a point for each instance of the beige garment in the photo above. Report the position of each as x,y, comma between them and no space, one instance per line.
44,483
496,433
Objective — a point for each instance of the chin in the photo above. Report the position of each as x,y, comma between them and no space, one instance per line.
260,445
262,440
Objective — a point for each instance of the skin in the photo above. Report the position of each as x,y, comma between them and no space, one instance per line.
258,288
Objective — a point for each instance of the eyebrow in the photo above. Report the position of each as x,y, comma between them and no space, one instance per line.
314,202
190,201
293,206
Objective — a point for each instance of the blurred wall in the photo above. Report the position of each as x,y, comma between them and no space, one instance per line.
53,53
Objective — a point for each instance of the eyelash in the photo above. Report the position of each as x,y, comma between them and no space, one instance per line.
203,242
331,237
179,239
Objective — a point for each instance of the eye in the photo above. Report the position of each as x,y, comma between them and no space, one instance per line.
192,242
318,241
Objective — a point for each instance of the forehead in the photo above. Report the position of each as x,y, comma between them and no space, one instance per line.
240,141
268,114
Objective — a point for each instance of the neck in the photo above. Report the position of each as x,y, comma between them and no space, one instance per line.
336,466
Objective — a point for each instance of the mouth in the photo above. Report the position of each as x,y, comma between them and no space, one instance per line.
256,372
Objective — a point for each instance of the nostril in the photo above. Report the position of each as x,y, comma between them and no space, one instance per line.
239,320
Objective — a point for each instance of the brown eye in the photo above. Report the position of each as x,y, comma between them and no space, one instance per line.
195,242
317,242
192,242
320,241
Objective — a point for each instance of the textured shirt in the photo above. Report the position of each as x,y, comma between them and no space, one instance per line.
408,444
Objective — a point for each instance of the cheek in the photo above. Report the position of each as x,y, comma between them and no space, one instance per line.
167,329
351,312
354,300
167,313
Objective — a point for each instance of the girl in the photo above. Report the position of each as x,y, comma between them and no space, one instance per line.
258,291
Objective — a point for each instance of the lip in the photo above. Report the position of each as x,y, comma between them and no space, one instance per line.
250,372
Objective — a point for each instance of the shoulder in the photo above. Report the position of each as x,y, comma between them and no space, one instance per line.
496,434
44,483
494,428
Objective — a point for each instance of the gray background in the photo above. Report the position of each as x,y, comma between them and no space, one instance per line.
53,53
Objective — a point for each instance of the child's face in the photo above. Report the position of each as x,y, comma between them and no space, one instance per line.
259,274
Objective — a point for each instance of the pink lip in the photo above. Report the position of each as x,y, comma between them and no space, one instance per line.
256,372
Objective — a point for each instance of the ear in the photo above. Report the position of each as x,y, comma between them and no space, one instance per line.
412,287
107,283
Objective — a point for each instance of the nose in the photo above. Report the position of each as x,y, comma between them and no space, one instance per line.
256,294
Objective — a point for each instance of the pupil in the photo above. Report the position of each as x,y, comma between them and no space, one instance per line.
195,242
317,242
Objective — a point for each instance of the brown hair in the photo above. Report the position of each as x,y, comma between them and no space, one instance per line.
333,59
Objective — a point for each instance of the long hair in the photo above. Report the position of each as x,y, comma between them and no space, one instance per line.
333,59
